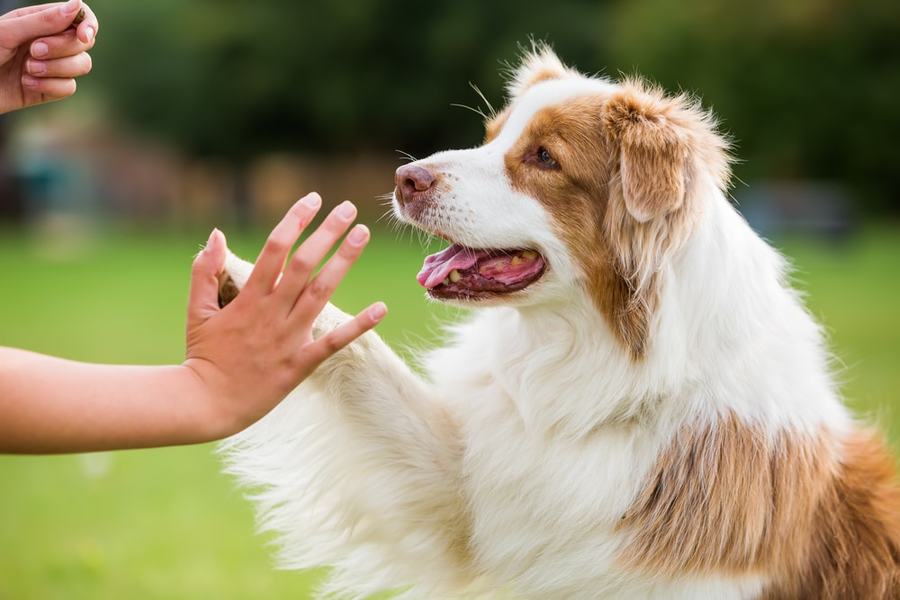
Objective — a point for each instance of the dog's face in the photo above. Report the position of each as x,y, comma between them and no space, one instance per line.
581,184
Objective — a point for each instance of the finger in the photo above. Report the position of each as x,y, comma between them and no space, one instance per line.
316,295
88,28
312,251
203,300
342,335
279,243
54,19
67,68
59,46
51,88
28,10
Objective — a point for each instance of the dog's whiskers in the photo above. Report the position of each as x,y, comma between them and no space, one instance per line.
484,99
477,111
406,155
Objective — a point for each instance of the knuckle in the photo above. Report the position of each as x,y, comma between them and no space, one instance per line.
298,211
335,225
277,243
349,252
319,290
331,343
301,264
290,363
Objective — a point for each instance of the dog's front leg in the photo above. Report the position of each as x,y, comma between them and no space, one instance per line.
360,467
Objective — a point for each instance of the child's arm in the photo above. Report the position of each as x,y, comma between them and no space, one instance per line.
241,360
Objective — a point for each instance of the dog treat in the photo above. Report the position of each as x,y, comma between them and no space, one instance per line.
78,18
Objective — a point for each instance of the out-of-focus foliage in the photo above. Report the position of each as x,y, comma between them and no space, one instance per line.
808,88
235,78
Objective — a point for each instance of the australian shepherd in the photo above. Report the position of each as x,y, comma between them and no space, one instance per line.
640,406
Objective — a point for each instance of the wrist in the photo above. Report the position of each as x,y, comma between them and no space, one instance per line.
212,419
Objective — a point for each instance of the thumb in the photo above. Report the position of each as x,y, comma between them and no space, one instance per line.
56,18
203,301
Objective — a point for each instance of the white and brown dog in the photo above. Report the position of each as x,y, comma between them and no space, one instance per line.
640,407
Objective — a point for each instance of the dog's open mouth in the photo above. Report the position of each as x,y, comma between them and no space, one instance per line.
475,274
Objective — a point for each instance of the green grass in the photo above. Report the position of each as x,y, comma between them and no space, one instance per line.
165,523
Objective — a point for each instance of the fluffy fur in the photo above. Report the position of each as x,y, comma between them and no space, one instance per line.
654,418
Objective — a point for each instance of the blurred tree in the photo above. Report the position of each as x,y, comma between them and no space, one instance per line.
233,78
807,87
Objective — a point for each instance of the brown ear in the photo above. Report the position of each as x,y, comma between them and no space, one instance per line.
538,64
653,151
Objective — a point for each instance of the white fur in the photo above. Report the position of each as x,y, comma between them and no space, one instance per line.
532,430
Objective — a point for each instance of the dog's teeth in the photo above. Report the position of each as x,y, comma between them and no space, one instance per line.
515,261
529,255
455,276
446,281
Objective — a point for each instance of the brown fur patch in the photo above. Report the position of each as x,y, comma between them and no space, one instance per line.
494,125
727,498
228,291
630,166
577,196
653,157
854,546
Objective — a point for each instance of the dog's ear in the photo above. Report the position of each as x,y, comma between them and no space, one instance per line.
232,278
653,144
538,64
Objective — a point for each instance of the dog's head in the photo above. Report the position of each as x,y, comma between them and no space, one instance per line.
581,183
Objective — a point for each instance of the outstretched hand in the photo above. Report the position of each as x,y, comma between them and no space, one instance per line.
251,353
242,360
42,51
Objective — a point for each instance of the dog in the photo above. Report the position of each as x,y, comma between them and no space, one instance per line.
640,406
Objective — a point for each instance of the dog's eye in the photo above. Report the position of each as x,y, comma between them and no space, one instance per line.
545,159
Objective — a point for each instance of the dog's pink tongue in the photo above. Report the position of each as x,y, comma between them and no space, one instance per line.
437,267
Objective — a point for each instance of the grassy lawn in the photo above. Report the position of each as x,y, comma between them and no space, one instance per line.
166,523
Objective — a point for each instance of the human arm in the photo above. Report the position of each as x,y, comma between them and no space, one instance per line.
241,360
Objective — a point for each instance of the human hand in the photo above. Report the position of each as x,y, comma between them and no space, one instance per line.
41,53
252,353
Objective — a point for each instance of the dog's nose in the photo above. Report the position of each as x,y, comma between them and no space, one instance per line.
412,182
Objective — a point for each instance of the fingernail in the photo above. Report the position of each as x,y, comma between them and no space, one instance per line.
39,49
214,236
89,34
311,200
358,235
377,312
346,210
29,81
70,7
36,67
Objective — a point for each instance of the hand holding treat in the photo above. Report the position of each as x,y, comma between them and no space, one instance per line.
43,48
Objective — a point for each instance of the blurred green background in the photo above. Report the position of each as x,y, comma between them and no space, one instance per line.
203,113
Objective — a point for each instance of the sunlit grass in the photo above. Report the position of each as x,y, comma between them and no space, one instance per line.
166,523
